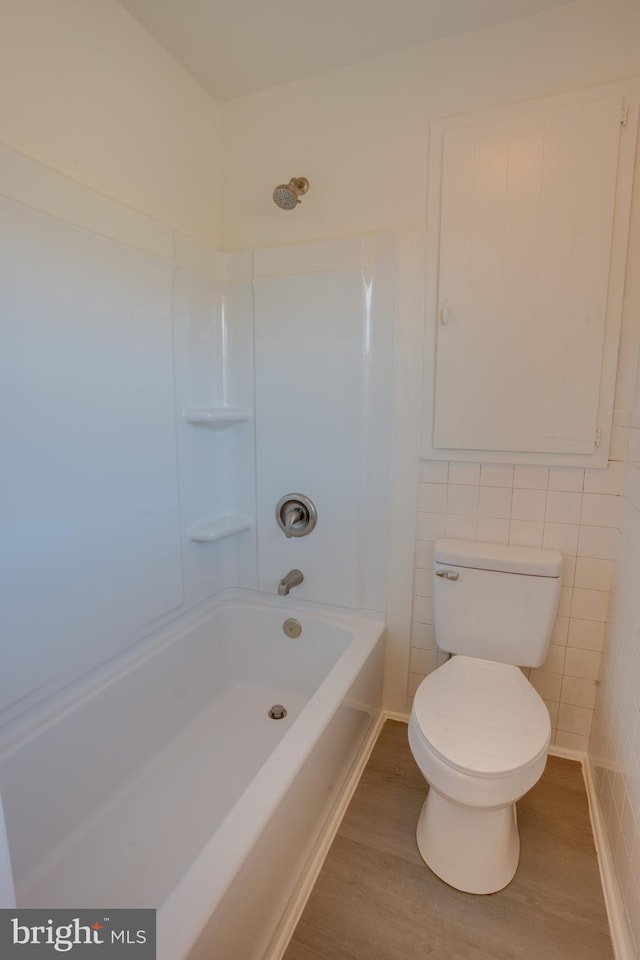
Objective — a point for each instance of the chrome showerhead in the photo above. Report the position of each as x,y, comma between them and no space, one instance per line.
287,195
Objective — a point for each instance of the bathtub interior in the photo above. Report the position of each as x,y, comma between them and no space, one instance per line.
269,886
110,798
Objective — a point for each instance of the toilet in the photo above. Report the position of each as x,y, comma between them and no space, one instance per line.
478,730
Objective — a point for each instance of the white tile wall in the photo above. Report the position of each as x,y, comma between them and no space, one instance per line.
615,737
573,510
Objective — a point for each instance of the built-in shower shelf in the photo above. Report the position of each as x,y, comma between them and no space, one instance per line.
218,418
218,529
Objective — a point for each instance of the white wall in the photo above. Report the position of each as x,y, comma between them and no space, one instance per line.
615,738
360,134
85,90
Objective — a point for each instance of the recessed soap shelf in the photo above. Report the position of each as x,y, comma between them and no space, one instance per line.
217,418
212,530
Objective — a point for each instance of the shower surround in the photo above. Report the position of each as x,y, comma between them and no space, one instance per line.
171,395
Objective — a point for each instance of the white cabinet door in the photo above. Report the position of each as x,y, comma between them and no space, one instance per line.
527,198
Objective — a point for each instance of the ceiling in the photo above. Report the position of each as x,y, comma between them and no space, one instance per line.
236,47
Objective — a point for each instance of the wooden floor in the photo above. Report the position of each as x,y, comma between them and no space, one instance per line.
376,900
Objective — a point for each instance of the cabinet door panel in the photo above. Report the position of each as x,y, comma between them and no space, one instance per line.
527,207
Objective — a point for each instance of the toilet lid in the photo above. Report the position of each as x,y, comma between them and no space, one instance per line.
482,717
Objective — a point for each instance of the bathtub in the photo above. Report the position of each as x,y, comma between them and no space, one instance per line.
161,781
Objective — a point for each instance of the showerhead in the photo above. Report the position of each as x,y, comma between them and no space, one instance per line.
287,195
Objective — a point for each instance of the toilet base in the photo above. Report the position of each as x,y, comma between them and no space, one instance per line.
470,848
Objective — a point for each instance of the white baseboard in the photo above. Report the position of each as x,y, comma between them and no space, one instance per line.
299,899
623,946
566,753
394,715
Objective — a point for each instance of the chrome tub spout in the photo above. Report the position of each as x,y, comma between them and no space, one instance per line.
291,579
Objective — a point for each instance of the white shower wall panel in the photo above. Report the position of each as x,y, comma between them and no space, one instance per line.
91,546
324,372
112,325
213,320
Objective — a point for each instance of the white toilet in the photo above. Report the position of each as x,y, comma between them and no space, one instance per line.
478,730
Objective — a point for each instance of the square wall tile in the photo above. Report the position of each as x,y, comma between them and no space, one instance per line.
422,661
574,719
462,500
554,662
430,526
578,693
423,635
560,631
547,684
600,510
415,679
526,533
610,480
528,504
584,664
593,574
531,478
432,497
464,473
563,507
495,502
461,527
571,741
424,555
423,609
552,706
599,542
496,475
586,634
566,478
492,529
566,599
569,570
590,604
561,536
434,471
423,583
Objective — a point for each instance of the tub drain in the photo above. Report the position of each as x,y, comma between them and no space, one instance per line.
277,712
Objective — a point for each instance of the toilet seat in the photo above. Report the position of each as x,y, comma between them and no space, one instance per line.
481,718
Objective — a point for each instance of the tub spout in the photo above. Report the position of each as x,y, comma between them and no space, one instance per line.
291,579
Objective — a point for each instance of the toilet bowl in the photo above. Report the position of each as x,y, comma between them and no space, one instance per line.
479,733
478,730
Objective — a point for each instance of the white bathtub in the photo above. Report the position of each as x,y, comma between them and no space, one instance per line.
161,782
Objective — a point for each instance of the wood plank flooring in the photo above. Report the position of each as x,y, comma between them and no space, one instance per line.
376,900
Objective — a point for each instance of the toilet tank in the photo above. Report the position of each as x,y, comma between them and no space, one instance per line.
495,602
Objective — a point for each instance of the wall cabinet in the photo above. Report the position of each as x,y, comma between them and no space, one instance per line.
528,218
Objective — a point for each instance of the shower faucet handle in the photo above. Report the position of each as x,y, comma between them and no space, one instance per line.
292,515
296,515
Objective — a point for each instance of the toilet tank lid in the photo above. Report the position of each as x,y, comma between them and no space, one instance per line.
500,557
